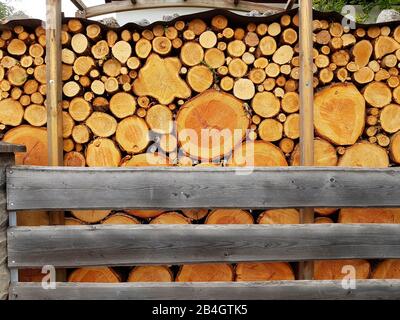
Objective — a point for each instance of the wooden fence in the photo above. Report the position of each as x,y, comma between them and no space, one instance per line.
55,188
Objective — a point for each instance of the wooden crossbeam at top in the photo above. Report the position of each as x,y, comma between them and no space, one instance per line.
111,6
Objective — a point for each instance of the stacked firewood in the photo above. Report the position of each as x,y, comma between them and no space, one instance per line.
130,92
144,97
323,270
358,93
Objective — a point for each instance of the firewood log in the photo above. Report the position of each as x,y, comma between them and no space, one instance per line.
267,45
387,269
90,216
129,127
100,123
332,118
35,140
121,51
324,154
291,127
150,274
264,271
195,214
74,159
270,130
102,152
200,77
191,54
160,119
146,159
229,216
244,89
170,218
79,109
205,273
323,220
145,214
11,112
377,94
389,118
279,216
369,215
99,274
365,155
120,218
195,115
257,153
122,105
334,269
35,115
385,45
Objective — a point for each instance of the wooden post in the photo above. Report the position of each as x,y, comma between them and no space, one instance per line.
54,98
53,63
6,159
306,111
54,86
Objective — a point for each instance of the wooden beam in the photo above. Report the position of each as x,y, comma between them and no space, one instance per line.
269,290
130,245
54,98
306,110
289,4
127,5
6,159
54,83
52,188
79,4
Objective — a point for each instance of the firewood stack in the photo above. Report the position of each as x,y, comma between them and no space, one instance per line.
135,97
130,96
358,93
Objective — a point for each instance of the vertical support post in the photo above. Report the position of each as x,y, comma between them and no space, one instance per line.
306,110
54,96
6,159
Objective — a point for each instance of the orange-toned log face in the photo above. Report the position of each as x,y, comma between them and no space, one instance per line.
264,271
205,273
387,269
339,112
258,154
229,216
150,274
100,274
338,269
211,124
35,140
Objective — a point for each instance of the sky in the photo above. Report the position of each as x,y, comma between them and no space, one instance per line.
37,8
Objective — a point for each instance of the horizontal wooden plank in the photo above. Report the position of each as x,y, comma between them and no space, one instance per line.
6,147
52,188
127,5
127,245
273,290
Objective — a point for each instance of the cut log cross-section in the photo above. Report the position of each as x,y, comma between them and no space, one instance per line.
160,79
339,112
211,125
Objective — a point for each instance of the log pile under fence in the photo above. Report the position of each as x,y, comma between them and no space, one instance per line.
131,95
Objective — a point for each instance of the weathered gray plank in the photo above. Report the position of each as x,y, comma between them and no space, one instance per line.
50,188
7,151
127,245
273,290
6,159
127,5
6,147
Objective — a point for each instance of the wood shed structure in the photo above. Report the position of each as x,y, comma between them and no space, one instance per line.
112,92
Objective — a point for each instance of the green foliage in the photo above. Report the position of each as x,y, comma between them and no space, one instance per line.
367,6
5,10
